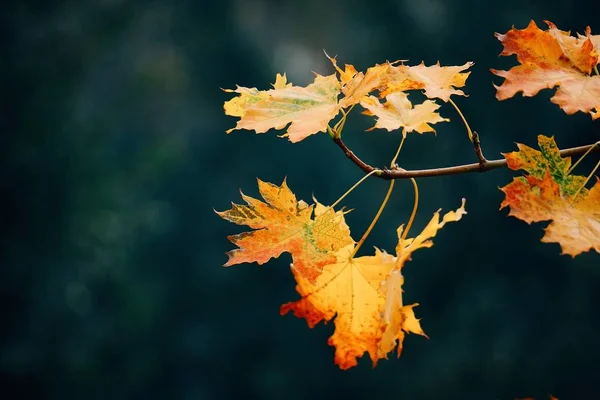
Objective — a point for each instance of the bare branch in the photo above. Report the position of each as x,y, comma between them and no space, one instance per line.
482,166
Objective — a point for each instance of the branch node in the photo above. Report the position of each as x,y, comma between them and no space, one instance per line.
479,152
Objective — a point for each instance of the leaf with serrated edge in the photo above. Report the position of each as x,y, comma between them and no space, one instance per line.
436,81
537,162
551,59
283,224
364,294
575,222
398,112
307,110
549,192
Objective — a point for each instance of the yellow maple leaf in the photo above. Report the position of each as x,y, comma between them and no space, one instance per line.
346,74
238,105
436,81
308,109
548,59
283,224
398,112
396,318
364,295
357,85
406,247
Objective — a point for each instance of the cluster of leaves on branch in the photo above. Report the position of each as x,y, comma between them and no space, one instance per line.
364,294
308,110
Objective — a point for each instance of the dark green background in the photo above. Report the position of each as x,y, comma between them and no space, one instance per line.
114,154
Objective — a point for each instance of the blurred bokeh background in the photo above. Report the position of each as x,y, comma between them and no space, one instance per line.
114,154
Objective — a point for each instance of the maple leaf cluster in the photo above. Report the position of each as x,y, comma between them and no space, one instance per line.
309,109
363,294
549,191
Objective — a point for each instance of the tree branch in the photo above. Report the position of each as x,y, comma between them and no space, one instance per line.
482,166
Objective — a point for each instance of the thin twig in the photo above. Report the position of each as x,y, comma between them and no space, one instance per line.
587,179
400,173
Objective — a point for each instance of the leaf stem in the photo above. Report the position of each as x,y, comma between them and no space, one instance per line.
587,179
596,69
469,131
370,228
414,210
393,162
384,203
582,157
339,126
353,187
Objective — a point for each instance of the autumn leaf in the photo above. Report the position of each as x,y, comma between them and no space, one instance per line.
537,162
550,193
548,59
357,85
406,247
350,288
346,74
364,295
308,109
398,112
283,224
436,81
237,106
575,222
594,38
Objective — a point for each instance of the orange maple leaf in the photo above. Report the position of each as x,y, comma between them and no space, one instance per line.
575,223
550,193
283,224
398,112
308,109
364,295
548,59
436,81
594,38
